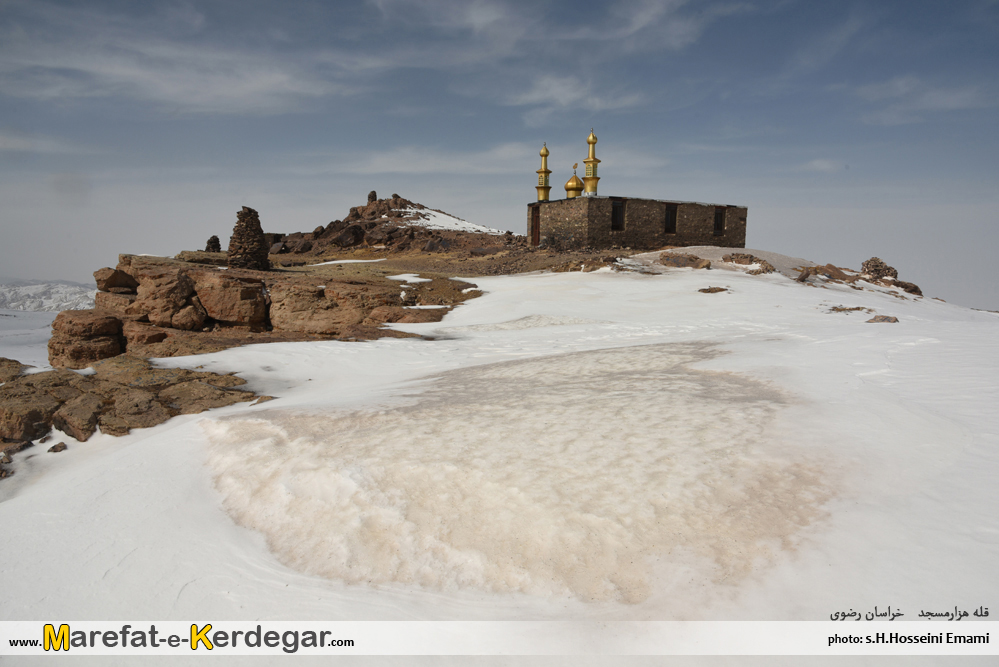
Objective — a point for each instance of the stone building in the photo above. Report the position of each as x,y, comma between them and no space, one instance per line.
585,219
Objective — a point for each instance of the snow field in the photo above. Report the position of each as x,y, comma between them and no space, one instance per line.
599,445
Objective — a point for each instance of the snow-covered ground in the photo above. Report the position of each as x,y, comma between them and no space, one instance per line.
46,296
24,335
614,446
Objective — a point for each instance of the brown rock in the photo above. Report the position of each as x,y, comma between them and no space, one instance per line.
163,292
193,397
139,408
683,261
231,300
309,309
909,287
372,197
137,333
86,323
112,424
108,278
58,447
78,417
191,317
72,352
349,237
883,318
213,244
712,290
248,246
10,369
25,416
115,302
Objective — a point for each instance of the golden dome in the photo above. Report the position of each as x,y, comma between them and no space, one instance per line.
544,150
574,186
592,139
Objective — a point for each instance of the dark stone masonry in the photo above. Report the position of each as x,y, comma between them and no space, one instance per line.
213,244
248,246
623,222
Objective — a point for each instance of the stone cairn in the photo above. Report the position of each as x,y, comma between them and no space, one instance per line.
877,269
372,197
248,246
213,245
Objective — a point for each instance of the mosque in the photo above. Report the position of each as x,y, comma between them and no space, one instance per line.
585,219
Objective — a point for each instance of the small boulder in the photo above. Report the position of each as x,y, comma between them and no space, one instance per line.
10,369
78,417
883,318
58,447
684,261
108,278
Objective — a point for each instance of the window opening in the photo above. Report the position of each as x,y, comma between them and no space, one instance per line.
617,216
719,221
670,227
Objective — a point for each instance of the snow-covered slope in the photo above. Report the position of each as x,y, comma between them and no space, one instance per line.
50,296
432,219
573,445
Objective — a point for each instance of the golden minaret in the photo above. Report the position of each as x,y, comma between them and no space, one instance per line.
591,162
543,188
574,186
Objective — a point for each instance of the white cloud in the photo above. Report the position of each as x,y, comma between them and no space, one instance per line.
908,99
16,143
76,53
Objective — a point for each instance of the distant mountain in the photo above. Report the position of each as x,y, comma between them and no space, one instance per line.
52,296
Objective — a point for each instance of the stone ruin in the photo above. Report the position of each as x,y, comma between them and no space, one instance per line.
247,245
877,269
213,244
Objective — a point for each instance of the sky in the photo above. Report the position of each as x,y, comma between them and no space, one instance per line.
848,129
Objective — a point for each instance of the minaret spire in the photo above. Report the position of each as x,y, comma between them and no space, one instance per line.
591,162
544,189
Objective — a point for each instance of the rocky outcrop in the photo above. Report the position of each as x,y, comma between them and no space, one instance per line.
683,261
878,272
877,269
746,259
230,300
123,393
213,244
247,245
113,280
326,310
81,337
10,369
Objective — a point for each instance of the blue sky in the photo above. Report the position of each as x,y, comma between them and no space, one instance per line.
849,129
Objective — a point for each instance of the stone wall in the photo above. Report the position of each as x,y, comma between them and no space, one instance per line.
564,223
586,222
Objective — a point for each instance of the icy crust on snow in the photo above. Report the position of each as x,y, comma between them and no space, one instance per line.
431,219
46,297
505,478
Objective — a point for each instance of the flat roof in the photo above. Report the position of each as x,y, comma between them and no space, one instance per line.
665,201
